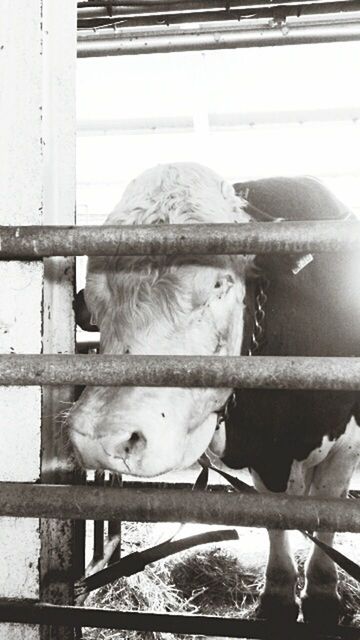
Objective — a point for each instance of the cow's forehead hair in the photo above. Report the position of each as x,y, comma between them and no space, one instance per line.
178,193
144,293
136,288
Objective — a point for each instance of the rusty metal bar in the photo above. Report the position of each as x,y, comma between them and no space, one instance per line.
38,613
257,33
274,511
268,372
283,237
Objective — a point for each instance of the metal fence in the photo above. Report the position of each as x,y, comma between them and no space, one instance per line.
149,504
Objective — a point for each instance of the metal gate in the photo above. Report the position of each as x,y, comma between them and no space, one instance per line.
40,254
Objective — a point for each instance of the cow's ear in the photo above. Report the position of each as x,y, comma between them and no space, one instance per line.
227,190
226,307
82,314
223,284
218,442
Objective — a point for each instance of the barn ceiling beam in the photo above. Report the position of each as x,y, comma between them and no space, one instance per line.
248,33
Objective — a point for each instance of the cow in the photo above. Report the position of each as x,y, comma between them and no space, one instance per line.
302,442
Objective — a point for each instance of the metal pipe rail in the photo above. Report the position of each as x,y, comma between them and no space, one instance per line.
198,11
217,121
147,6
279,11
295,237
87,10
267,372
26,612
246,34
273,511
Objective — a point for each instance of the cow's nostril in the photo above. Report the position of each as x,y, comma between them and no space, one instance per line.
128,446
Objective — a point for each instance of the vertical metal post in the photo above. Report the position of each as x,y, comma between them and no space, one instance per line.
62,542
99,480
115,480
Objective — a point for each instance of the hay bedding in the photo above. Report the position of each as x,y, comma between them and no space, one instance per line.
211,580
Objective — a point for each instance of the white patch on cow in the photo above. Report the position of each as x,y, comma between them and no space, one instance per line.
301,470
217,445
303,473
161,305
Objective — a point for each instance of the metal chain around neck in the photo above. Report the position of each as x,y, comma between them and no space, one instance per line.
257,335
257,338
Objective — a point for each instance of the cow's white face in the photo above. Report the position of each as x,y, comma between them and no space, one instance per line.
161,306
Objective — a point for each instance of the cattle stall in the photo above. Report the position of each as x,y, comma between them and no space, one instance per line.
44,500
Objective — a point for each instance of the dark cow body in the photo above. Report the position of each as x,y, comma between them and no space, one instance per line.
271,429
301,442
313,313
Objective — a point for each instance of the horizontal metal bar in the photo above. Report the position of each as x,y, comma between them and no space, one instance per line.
37,613
261,34
274,511
26,612
220,488
268,372
217,121
92,14
151,124
283,237
291,116
279,11
132,3
88,11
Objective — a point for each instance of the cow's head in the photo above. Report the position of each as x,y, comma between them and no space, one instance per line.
161,305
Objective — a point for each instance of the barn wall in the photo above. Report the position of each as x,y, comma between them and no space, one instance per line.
36,70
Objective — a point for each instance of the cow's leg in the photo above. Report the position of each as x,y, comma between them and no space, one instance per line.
320,598
277,600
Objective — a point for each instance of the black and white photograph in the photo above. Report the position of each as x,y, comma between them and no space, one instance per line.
179,319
